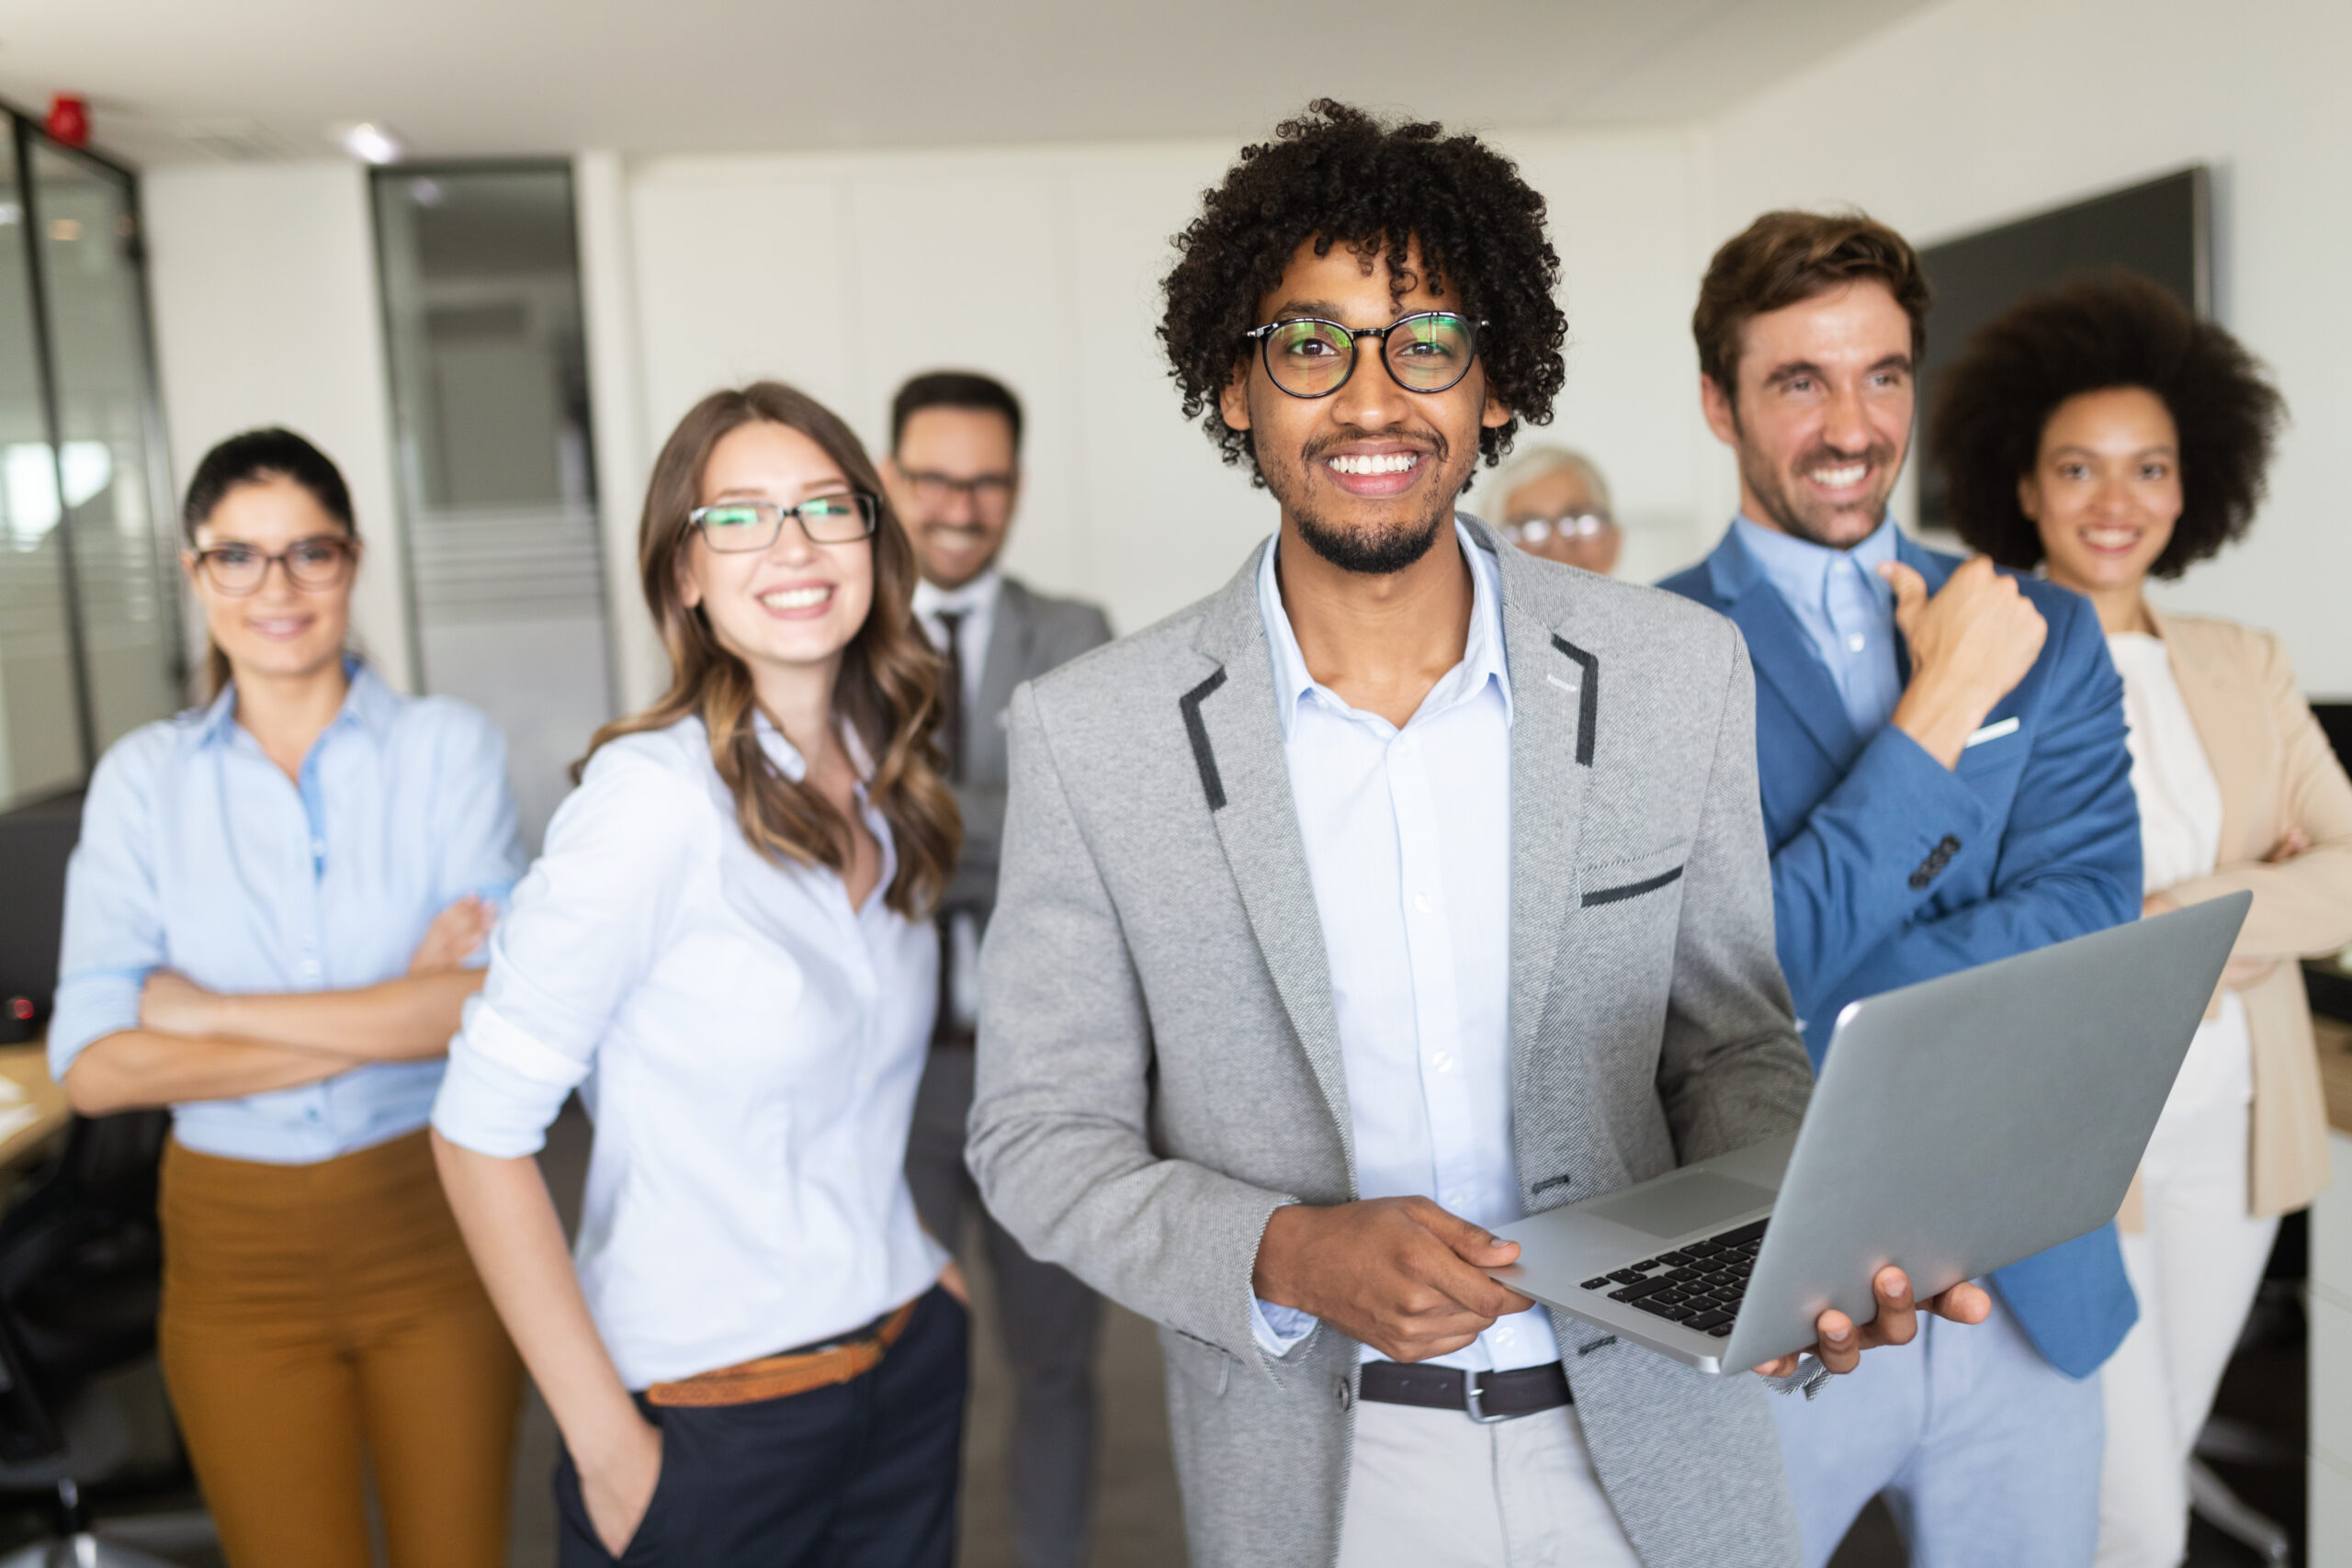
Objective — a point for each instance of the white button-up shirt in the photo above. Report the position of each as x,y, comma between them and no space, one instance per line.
747,1044
1407,836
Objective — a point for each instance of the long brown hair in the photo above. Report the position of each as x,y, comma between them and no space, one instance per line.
887,691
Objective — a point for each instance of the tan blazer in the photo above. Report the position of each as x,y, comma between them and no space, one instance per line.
2277,772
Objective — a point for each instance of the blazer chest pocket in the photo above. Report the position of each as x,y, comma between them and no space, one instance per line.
1652,876
1204,1365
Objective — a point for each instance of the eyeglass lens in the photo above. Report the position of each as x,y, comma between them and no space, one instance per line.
989,494
311,564
754,525
1535,530
1426,353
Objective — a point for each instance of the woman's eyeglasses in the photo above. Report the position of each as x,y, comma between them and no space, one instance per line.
312,564
1429,351
1536,530
732,526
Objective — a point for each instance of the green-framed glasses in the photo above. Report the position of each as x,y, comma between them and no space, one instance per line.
732,526
1427,351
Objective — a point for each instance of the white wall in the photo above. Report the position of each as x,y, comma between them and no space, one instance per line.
1977,112
264,281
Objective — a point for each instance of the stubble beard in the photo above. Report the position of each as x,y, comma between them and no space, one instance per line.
1382,552
1776,498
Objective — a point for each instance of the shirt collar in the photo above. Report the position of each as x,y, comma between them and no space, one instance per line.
1800,569
975,597
368,706
1482,651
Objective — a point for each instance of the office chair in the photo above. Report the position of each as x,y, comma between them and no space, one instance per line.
81,1278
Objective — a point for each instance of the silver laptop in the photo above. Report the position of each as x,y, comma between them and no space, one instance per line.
1959,1125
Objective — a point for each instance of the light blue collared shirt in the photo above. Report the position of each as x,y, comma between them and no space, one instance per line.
1846,608
1408,839
199,854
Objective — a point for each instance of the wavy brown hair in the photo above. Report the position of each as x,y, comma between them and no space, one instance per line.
887,691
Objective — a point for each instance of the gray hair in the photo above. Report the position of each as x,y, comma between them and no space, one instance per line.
1543,462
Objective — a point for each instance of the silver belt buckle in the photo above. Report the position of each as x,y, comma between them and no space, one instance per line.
1470,1400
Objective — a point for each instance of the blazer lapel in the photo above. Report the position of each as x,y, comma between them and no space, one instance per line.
1003,665
1558,735
2229,723
1236,742
1783,655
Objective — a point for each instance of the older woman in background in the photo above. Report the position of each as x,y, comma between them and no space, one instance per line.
2102,431
1553,502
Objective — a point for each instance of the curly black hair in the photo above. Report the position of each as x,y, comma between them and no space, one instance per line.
2106,330
1337,175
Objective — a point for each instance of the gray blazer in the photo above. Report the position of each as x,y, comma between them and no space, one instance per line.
1031,634
1160,1063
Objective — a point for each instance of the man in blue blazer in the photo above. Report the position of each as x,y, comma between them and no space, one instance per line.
1941,752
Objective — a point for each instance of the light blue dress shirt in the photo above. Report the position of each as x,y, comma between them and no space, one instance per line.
199,854
1407,840
1846,608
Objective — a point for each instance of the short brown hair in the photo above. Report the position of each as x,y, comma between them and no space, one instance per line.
888,690
1784,258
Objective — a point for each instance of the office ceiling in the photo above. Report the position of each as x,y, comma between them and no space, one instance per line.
175,81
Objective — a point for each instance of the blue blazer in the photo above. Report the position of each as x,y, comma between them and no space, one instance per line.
1889,868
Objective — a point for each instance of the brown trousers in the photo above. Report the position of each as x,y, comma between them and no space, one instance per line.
319,1317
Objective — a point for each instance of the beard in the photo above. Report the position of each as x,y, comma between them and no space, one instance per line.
1780,495
1382,549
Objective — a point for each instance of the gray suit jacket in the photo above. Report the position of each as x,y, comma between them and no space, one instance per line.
1160,1064
1031,634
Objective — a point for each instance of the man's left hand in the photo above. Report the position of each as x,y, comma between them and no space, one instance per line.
1842,1343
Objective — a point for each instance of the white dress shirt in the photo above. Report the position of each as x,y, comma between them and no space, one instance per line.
747,1044
975,602
1408,837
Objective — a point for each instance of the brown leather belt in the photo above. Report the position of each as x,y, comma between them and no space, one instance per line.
1483,1396
795,1372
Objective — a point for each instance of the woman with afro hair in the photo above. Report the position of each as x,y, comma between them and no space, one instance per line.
2101,432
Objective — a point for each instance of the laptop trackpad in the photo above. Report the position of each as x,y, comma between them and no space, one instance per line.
1679,1203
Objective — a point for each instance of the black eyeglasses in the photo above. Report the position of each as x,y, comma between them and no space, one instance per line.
988,494
745,525
1429,351
312,564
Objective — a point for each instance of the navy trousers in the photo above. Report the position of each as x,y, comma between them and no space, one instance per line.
859,1475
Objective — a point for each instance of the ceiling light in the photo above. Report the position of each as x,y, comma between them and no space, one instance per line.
370,142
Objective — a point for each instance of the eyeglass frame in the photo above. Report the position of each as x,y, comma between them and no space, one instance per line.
206,562
869,507
1001,485
1589,526
1264,337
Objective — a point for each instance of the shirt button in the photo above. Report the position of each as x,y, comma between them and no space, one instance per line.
1854,642
1443,1061
310,966
1407,747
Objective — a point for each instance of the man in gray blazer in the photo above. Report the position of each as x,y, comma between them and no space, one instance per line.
953,475
1402,887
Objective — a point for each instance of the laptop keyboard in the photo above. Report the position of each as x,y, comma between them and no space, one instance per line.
1697,1285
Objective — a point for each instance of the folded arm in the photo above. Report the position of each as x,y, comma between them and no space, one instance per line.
132,1069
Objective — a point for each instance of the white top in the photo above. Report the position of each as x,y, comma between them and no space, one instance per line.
2180,838
747,1044
1407,838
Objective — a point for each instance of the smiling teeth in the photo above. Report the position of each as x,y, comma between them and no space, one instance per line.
1838,479
2108,538
796,598
1386,463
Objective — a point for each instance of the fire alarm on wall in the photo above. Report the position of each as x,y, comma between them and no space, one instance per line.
68,119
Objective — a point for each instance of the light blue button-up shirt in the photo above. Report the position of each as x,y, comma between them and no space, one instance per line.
1846,608
199,854
1408,839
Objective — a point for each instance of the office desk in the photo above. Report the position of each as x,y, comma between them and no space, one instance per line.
2330,1311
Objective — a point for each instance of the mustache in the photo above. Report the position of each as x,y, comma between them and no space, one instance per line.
1879,454
1428,441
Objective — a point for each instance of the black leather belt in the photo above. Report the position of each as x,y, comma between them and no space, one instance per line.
1482,1396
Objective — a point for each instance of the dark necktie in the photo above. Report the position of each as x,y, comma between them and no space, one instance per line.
952,739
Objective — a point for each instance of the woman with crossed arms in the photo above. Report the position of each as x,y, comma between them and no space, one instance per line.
726,949
266,921
2103,432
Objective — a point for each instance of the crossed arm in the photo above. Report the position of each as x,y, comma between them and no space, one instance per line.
192,1044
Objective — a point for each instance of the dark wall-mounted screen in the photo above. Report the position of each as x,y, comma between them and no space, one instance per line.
2158,229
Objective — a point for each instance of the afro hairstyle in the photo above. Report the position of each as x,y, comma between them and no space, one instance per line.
2102,331
1337,175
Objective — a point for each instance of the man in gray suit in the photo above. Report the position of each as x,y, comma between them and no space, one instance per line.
954,473
1404,886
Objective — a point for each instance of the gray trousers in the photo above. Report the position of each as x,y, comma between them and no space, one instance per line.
1048,1321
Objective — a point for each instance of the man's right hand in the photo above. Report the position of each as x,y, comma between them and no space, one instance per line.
1971,644
1399,1274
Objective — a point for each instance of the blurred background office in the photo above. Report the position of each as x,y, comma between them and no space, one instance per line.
488,250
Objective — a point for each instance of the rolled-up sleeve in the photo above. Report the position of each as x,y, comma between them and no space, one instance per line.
586,925
114,923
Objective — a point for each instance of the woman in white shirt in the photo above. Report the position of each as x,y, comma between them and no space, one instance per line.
724,948
2103,431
